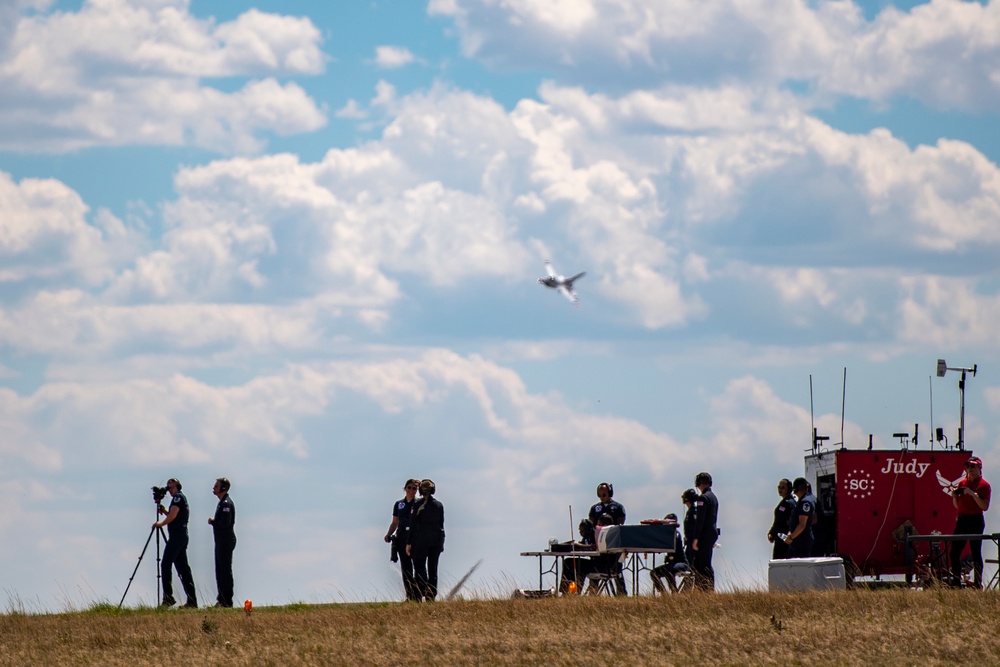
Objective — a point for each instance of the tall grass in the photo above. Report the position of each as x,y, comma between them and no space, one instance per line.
933,627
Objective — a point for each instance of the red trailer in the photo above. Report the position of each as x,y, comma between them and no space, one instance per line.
869,500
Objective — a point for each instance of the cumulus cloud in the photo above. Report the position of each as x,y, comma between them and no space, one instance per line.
945,53
48,235
124,72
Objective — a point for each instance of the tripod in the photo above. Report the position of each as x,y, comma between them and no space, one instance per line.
159,533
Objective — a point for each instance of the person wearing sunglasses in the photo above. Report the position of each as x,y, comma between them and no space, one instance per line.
398,531
607,511
971,499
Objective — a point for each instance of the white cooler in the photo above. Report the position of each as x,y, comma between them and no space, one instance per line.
806,574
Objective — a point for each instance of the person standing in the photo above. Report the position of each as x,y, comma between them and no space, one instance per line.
608,507
782,514
425,541
224,528
175,552
971,499
706,532
800,537
399,528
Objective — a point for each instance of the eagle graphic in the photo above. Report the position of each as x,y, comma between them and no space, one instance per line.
946,486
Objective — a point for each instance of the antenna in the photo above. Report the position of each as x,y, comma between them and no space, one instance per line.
930,385
843,402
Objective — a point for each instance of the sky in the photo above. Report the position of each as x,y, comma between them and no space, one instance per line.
296,244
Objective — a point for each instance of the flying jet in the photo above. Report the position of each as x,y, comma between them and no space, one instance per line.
563,284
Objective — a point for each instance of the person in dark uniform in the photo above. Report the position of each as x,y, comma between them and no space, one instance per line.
425,541
175,552
800,538
675,563
782,515
706,531
688,498
971,499
396,535
224,529
606,505
575,569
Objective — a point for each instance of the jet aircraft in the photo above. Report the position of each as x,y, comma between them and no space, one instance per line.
562,284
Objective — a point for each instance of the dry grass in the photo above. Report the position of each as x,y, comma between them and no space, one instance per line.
934,627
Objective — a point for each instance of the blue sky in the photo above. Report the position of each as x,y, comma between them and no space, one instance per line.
296,243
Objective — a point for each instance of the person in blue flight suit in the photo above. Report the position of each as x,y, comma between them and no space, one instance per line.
608,507
782,515
675,563
398,531
800,538
425,540
175,553
706,532
224,530
688,498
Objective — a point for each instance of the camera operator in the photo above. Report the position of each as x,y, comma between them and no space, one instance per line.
971,499
224,528
175,553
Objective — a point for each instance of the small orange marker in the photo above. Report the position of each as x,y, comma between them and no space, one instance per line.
248,606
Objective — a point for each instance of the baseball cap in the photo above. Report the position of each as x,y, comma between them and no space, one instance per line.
974,461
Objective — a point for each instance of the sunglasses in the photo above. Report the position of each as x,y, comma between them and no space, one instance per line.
968,466
411,488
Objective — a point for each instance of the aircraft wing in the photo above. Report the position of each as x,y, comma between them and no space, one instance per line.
548,267
569,294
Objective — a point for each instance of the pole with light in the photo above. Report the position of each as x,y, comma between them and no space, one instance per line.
942,368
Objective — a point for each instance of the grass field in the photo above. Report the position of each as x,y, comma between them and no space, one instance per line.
859,627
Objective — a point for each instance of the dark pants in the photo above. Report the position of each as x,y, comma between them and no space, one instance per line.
668,571
406,565
702,565
224,571
780,550
968,524
175,555
425,572
575,570
801,547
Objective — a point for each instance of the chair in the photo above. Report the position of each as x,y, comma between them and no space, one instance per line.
601,583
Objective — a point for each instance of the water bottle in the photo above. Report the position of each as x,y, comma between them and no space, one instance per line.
782,536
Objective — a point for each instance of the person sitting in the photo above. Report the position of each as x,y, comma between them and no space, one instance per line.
576,569
675,563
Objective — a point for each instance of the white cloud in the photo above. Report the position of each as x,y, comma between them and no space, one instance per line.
945,52
392,57
45,235
120,72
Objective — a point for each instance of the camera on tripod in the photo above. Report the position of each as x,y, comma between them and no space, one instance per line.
159,493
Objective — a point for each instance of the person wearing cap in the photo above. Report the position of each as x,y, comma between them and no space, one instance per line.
675,563
399,528
780,525
688,498
224,529
706,531
800,537
971,498
425,541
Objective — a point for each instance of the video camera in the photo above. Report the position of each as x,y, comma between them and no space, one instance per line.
159,493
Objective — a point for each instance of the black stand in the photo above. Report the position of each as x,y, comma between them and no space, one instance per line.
159,533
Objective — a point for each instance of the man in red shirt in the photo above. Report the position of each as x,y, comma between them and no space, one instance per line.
971,499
